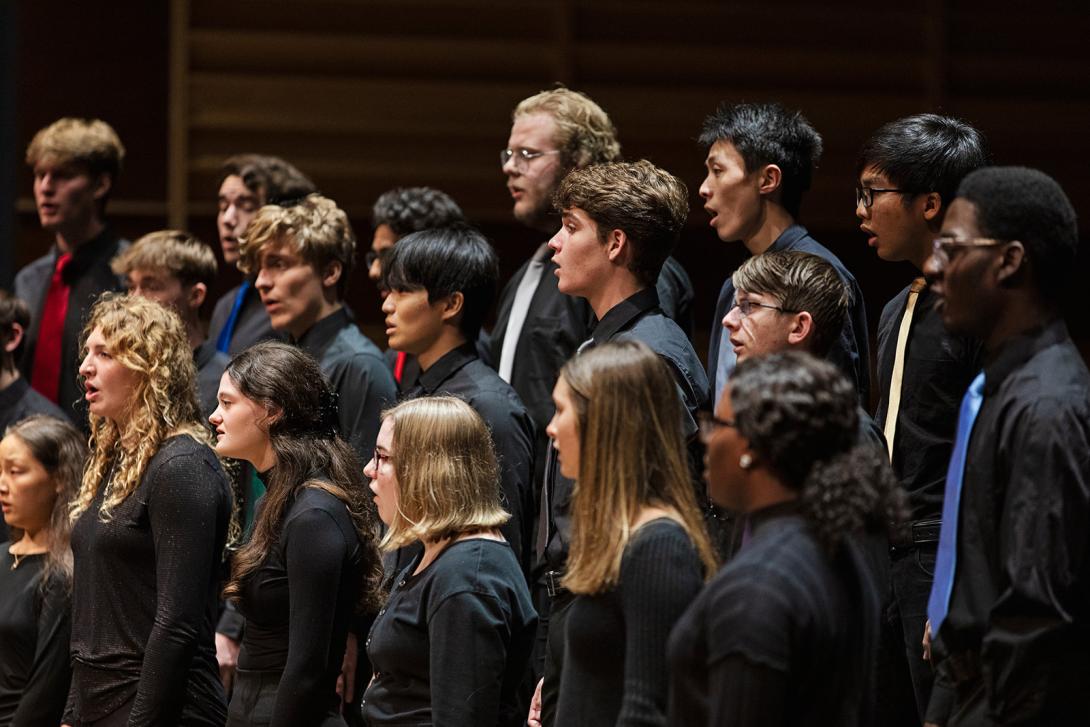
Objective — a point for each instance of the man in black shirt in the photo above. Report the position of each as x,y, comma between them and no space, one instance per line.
1010,605
247,182
76,163
441,283
760,160
537,327
908,173
619,223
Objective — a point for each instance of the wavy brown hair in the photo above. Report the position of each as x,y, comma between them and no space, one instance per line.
448,480
302,429
632,456
62,452
150,341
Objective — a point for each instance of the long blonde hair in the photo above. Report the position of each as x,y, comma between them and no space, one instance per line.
632,456
447,478
150,341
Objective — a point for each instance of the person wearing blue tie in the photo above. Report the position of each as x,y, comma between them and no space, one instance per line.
1009,610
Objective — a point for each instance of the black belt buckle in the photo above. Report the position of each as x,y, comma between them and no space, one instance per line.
552,583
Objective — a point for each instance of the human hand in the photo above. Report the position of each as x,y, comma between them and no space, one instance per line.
927,641
227,658
533,719
346,682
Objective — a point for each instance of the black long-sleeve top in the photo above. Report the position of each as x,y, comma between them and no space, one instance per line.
460,373
146,593
357,372
783,635
938,368
452,643
1019,610
34,632
851,351
298,605
615,642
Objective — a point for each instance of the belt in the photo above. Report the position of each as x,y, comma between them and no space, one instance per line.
921,532
552,583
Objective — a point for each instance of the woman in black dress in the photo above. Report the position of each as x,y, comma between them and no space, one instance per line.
311,562
452,643
639,550
151,521
41,462
785,633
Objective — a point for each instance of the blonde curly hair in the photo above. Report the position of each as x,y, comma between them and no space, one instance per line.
585,133
151,341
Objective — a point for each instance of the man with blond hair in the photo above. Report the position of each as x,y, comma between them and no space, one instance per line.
76,163
175,269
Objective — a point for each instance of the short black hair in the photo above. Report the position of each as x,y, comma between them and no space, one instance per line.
412,209
768,133
443,261
925,153
1016,203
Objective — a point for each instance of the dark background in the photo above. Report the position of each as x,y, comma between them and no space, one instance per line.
364,96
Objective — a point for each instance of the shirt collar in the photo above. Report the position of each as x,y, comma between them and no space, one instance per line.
788,238
98,249
322,333
622,314
15,391
449,364
1018,350
758,518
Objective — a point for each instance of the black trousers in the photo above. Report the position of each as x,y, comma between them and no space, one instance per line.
254,698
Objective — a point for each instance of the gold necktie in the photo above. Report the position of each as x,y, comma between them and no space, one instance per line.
899,364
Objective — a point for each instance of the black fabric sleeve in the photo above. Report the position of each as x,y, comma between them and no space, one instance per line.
43,700
660,577
315,551
185,512
231,622
512,435
365,387
468,637
744,693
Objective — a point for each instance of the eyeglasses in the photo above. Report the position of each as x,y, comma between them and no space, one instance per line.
942,247
381,458
745,307
865,195
521,158
709,424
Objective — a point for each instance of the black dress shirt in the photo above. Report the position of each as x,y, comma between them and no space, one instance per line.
938,368
1019,615
88,275
252,325
851,351
34,632
210,367
452,643
357,372
460,373
555,326
146,591
783,635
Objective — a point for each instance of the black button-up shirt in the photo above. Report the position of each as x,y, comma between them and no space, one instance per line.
1019,615
357,372
460,373
938,368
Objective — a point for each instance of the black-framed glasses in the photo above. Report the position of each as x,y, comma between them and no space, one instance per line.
745,307
865,195
710,423
381,458
521,158
942,247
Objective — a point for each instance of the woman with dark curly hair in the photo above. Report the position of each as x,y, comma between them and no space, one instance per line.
312,560
151,520
785,633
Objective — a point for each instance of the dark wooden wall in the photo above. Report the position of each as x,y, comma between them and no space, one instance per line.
364,96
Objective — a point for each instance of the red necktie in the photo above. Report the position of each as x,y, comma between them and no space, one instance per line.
46,376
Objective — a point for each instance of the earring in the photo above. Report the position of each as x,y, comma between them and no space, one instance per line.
745,461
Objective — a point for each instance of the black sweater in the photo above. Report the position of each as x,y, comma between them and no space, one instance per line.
452,644
298,604
34,629
146,593
615,642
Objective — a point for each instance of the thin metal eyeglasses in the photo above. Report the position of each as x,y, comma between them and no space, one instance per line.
522,157
709,423
745,307
865,195
941,247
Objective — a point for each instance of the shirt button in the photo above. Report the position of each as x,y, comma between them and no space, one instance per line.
401,584
381,611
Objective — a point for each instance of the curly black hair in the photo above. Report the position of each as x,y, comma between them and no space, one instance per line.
412,209
801,417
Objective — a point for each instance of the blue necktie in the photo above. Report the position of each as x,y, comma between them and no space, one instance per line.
946,559
224,340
